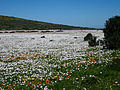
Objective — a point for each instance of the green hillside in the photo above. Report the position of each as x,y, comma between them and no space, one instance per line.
13,23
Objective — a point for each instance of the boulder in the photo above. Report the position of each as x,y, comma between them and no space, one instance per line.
42,36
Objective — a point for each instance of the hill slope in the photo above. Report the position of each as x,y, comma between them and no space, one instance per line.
13,23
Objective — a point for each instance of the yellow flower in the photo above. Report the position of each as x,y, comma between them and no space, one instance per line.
103,59
32,78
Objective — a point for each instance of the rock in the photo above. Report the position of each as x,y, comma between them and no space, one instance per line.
42,36
51,40
46,31
32,38
59,31
75,37
12,32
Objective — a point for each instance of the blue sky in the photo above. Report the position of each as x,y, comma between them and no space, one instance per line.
86,13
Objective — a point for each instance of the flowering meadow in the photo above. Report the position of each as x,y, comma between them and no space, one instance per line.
60,60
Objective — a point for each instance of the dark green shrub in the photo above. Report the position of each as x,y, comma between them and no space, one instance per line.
115,65
101,42
89,36
92,42
112,33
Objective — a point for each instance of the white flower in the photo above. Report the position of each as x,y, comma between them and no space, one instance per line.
83,78
100,72
116,82
63,88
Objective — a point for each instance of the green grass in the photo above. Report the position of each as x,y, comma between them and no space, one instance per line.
99,76
95,77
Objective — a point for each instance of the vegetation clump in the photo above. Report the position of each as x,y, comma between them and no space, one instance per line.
112,32
91,39
13,23
89,36
92,42
115,65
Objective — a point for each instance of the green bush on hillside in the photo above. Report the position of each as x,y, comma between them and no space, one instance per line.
112,33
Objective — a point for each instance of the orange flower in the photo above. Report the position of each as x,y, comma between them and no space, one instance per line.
79,64
3,84
2,60
8,86
33,85
23,57
92,60
25,79
56,77
13,84
47,81
39,83
27,83
68,77
88,63
8,56
32,78
12,56
34,57
42,56
63,77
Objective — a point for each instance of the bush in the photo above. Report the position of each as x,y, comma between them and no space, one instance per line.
92,42
89,36
112,33
101,42
115,65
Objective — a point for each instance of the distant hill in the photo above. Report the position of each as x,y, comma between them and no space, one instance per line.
13,23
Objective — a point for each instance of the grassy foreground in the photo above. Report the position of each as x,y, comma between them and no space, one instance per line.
95,77
86,73
104,75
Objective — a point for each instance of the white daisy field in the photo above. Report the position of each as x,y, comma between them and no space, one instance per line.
26,59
